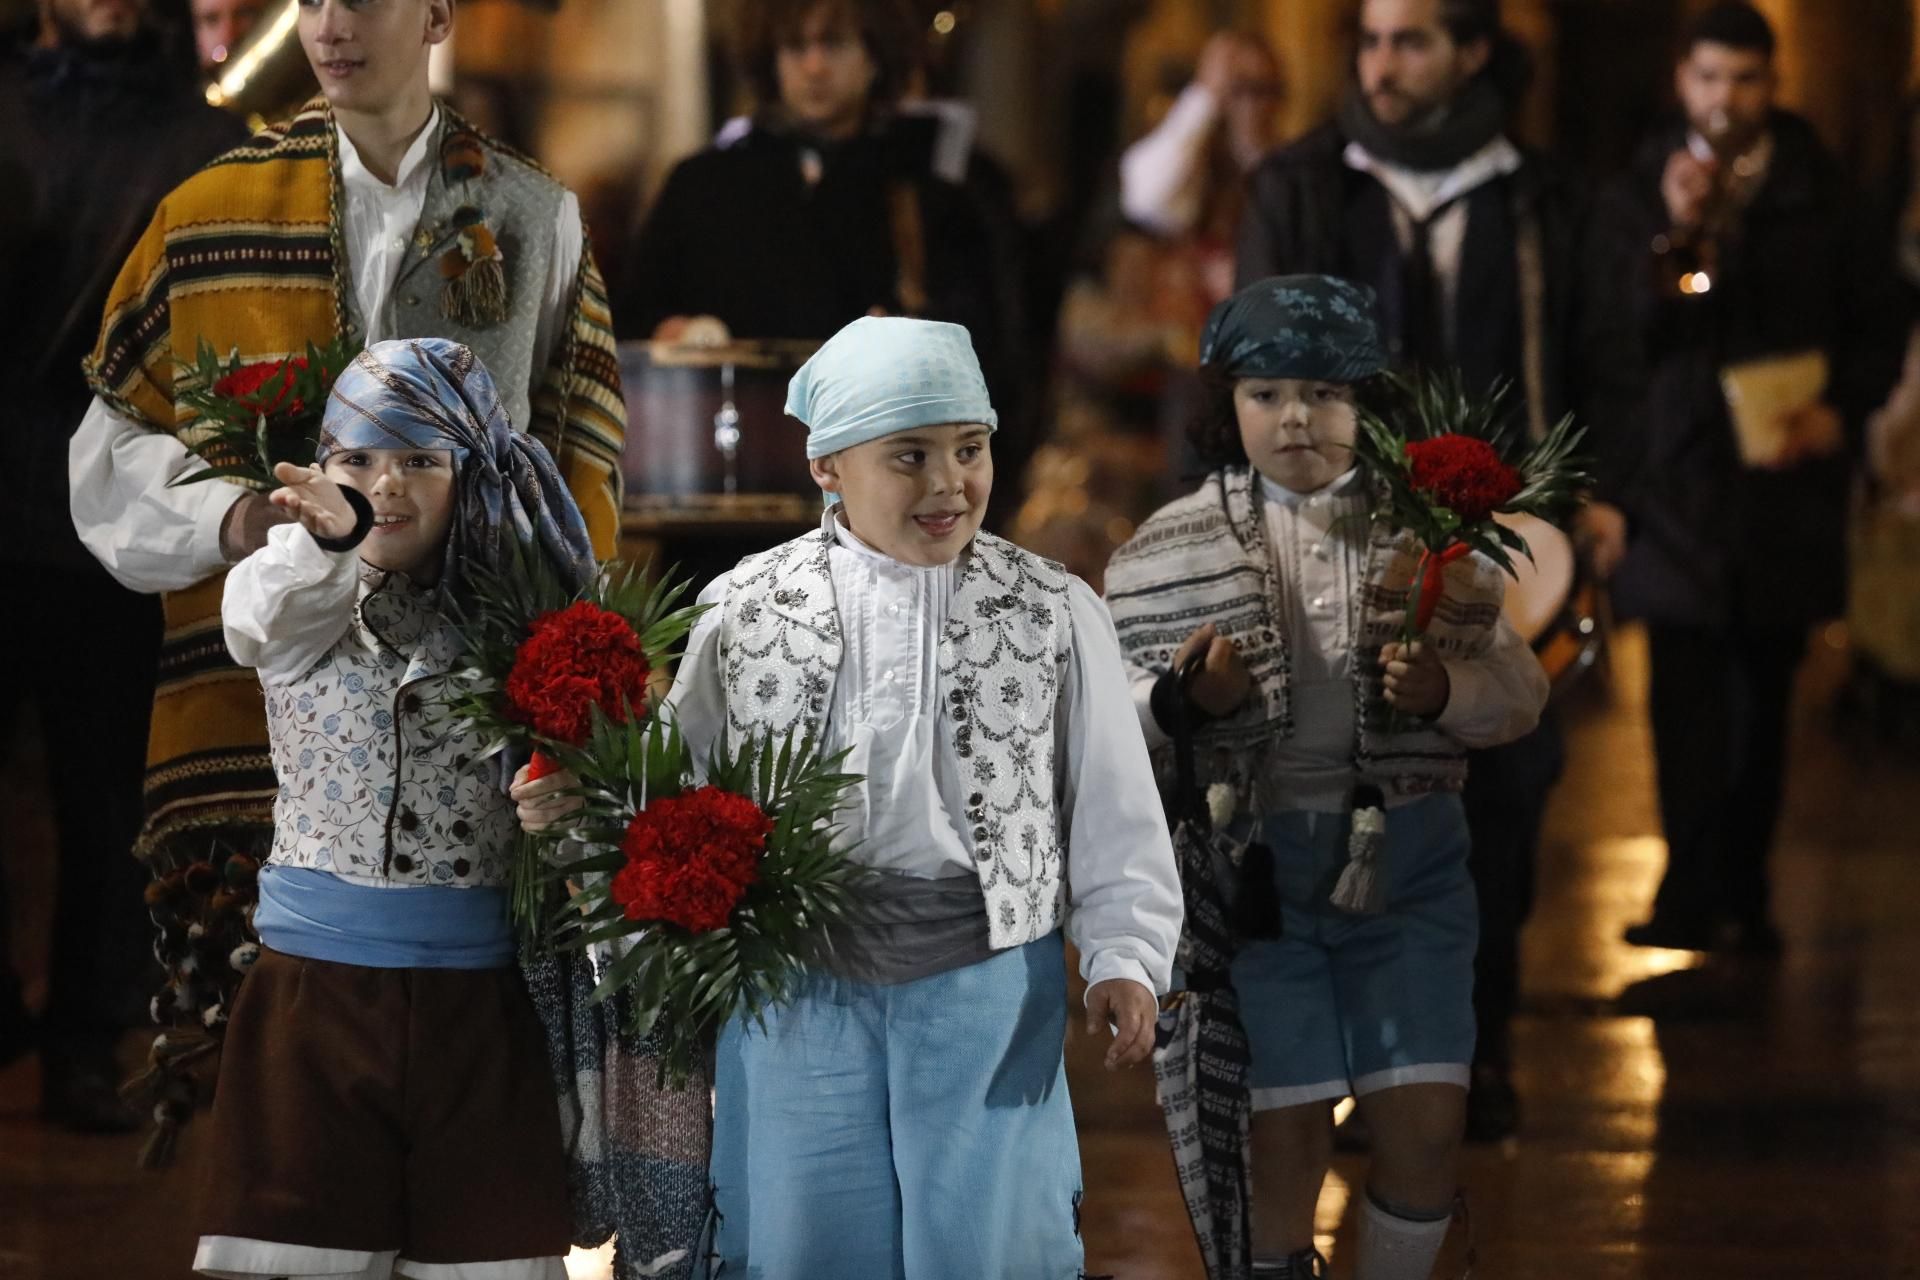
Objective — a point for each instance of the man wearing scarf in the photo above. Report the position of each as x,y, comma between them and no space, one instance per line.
97,122
1470,243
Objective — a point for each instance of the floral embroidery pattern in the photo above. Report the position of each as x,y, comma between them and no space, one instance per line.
374,779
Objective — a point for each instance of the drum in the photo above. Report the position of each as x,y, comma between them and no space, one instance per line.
1553,603
704,421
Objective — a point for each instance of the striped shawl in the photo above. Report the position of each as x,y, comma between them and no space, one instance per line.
1204,558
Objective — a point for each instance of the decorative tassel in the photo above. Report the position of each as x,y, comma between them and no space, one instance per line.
1362,888
158,1150
477,297
475,271
1221,804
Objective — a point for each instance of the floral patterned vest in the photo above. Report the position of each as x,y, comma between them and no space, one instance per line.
1002,667
374,780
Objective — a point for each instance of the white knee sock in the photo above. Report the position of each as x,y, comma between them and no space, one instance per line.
1396,1248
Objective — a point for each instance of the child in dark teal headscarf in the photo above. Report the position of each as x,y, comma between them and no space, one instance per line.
1260,617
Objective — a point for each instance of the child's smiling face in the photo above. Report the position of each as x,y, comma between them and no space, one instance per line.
1297,433
917,496
412,495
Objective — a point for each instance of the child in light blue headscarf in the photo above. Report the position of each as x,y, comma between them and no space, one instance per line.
386,1097
906,1114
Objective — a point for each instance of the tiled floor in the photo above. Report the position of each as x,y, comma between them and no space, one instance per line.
1683,1123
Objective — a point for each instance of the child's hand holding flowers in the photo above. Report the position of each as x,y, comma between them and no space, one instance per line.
545,798
308,495
1416,679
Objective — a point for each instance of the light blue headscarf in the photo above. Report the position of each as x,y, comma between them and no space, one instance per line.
429,393
882,375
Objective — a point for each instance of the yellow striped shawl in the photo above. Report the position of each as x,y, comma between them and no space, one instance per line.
247,255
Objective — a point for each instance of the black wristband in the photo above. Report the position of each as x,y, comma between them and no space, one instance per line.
1171,706
362,522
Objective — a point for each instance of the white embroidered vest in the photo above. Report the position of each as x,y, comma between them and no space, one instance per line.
373,780
1002,663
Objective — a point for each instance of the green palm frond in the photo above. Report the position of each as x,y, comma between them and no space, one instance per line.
685,985
1553,474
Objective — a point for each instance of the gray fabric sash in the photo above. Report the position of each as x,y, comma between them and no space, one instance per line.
905,928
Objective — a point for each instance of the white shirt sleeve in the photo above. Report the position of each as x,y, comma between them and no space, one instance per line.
1497,696
1162,175
1124,889
288,603
150,534
698,699
556,308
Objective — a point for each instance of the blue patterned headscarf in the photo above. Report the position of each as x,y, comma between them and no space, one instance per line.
429,393
1314,328
882,375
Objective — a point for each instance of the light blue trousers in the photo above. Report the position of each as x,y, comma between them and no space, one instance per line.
912,1132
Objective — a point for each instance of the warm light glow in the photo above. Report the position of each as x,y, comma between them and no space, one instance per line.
1335,1196
943,22
1696,282
243,68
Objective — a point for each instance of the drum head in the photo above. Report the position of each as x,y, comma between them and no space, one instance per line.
1536,597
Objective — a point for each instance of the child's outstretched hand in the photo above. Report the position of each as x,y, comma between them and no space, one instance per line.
310,496
1223,681
543,802
1131,1009
1417,680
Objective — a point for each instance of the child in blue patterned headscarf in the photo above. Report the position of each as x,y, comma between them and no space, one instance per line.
386,1097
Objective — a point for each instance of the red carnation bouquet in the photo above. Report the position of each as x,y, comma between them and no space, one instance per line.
545,665
1446,473
253,416
706,891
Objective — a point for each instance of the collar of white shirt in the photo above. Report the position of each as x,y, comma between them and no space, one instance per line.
1420,192
355,174
852,541
1339,487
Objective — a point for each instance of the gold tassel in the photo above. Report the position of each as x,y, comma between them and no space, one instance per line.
477,297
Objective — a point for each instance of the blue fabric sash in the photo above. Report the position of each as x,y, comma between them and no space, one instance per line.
319,916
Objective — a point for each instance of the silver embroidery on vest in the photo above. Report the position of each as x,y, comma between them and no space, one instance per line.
1002,667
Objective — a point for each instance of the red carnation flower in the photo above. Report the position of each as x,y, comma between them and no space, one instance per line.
691,857
1463,474
575,659
264,386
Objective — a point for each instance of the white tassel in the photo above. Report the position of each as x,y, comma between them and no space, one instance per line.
1361,888
1221,804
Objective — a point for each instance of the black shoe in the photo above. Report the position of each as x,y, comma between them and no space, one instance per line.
1493,1106
1674,933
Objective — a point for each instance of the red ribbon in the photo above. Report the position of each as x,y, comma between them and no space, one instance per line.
1432,584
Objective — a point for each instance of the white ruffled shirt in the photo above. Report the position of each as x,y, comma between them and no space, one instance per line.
153,537
1124,891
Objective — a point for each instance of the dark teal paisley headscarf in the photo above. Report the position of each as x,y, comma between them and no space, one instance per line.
1314,328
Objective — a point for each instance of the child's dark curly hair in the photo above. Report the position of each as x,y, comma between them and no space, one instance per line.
1214,430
